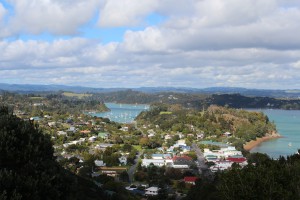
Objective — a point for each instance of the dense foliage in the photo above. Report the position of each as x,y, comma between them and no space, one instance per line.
56,104
213,122
266,179
28,169
200,100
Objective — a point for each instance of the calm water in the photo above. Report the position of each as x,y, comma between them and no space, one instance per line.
122,113
288,125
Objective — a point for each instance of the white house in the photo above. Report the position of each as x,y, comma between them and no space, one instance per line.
221,165
123,160
61,133
125,128
51,124
156,162
99,163
180,143
152,191
72,129
168,137
227,134
92,139
200,136
161,156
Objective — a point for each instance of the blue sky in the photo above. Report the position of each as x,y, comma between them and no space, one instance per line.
132,43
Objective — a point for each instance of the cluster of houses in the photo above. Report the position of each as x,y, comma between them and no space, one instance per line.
154,190
181,145
167,159
224,158
159,160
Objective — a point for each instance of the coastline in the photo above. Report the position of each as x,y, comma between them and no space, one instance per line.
253,143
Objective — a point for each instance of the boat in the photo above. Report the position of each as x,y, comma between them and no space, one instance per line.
290,144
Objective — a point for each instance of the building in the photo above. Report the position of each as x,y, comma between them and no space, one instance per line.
168,137
103,135
99,163
190,179
85,131
182,162
152,191
72,129
123,160
155,162
161,156
61,133
241,161
92,139
51,124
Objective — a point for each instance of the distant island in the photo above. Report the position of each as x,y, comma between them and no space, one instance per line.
187,97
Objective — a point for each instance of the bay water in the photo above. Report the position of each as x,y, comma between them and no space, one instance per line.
122,113
288,126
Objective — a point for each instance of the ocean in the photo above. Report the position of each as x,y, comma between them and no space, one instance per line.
288,126
122,113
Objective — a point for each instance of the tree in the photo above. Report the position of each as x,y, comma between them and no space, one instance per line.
266,179
27,166
124,176
144,141
28,169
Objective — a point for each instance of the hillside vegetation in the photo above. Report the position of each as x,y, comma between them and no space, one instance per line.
213,122
28,169
263,178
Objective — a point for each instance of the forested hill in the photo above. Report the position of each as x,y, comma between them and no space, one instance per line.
200,101
30,88
90,101
214,122
239,101
263,178
28,169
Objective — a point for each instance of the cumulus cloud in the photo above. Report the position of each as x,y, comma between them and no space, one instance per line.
126,12
200,43
61,17
218,24
2,12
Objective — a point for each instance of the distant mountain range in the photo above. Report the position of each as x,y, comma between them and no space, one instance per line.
27,88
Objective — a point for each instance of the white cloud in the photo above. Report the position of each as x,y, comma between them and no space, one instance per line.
2,12
223,25
296,64
201,43
62,17
117,13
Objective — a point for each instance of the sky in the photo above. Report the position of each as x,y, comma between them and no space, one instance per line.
151,43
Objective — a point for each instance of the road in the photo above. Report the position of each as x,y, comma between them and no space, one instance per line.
133,167
203,168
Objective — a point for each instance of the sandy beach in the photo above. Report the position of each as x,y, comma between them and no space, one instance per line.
253,143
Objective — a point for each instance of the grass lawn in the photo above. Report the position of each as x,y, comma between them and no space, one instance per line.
36,98
165,113
79,96
137,147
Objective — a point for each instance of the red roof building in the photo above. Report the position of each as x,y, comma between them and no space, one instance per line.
182,158
190,179
237,160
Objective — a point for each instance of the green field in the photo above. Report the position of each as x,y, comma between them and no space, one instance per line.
36,98
79,96
165,113
137,147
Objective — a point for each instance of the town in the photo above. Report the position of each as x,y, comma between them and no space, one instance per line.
146,157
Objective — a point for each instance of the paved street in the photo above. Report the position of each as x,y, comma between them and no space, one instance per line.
200,158
133,167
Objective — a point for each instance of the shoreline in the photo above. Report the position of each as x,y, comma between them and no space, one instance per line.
253,143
